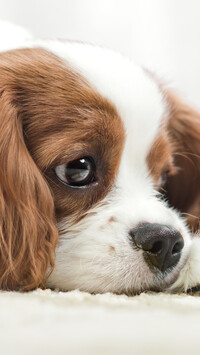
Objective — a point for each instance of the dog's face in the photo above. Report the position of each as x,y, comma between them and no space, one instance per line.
90,150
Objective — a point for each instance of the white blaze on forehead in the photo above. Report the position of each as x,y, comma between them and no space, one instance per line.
135,95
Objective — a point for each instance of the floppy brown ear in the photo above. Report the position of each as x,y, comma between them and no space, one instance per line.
28,234
183,188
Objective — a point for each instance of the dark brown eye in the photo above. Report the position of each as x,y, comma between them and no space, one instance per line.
80,172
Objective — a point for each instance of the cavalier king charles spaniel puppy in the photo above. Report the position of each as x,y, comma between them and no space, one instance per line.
99,173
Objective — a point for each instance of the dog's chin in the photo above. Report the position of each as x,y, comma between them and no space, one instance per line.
185,277
168,282
189,273
171,281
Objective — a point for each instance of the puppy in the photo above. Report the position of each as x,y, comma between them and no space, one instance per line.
99,174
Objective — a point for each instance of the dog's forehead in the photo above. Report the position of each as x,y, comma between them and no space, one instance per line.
93,93
137,98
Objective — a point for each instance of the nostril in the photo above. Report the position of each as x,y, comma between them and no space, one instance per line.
177,248
156,248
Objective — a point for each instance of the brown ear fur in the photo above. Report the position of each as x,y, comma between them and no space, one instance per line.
183,189
28,234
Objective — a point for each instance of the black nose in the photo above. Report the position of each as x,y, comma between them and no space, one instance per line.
161,244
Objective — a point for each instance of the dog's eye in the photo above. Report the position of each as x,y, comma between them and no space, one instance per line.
78,172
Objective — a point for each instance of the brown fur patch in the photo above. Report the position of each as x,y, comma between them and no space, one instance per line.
159,158
177,151
183,188
49,115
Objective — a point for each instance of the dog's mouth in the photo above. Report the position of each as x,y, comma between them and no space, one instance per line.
166,282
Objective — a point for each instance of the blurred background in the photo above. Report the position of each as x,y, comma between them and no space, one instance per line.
162,35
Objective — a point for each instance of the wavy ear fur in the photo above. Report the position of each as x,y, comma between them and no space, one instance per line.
28,234
183,189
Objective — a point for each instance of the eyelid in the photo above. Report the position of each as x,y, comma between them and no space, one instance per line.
69,157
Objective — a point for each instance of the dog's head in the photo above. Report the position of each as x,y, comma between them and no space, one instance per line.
91,150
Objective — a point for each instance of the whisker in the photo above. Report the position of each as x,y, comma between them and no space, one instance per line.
189,214
192,154
184,156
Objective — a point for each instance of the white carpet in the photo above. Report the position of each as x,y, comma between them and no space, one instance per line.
46,322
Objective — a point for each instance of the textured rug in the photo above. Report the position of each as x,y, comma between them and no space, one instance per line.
47,322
